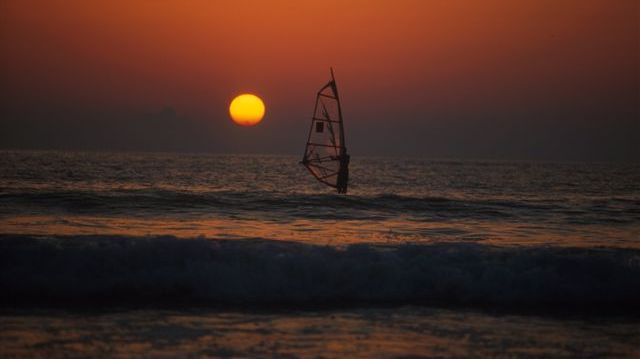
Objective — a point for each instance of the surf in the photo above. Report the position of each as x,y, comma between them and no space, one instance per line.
118,270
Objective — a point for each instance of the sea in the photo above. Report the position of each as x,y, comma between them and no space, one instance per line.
195,255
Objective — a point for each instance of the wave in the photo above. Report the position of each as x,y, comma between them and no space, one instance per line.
103,270
142,202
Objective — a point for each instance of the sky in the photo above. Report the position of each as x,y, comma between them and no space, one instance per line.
491,79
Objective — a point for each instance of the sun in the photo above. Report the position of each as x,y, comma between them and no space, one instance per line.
246,110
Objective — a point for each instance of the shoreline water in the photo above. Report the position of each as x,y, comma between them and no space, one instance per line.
364,332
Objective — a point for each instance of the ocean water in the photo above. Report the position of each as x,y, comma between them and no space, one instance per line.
246,255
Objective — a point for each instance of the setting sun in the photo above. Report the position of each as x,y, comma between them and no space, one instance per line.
246,110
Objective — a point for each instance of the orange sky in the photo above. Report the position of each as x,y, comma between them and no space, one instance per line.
415,60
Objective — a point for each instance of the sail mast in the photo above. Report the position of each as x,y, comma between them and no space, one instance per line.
343,149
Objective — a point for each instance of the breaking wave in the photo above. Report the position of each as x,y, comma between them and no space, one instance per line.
105,271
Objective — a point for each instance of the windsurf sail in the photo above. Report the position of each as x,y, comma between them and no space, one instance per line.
325,155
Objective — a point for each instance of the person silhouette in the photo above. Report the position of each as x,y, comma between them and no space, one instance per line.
343,173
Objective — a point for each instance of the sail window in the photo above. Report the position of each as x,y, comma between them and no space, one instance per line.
319,127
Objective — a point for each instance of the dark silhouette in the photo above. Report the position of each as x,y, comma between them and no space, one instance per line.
325,154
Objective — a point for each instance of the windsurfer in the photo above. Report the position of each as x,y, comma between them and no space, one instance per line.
343,174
